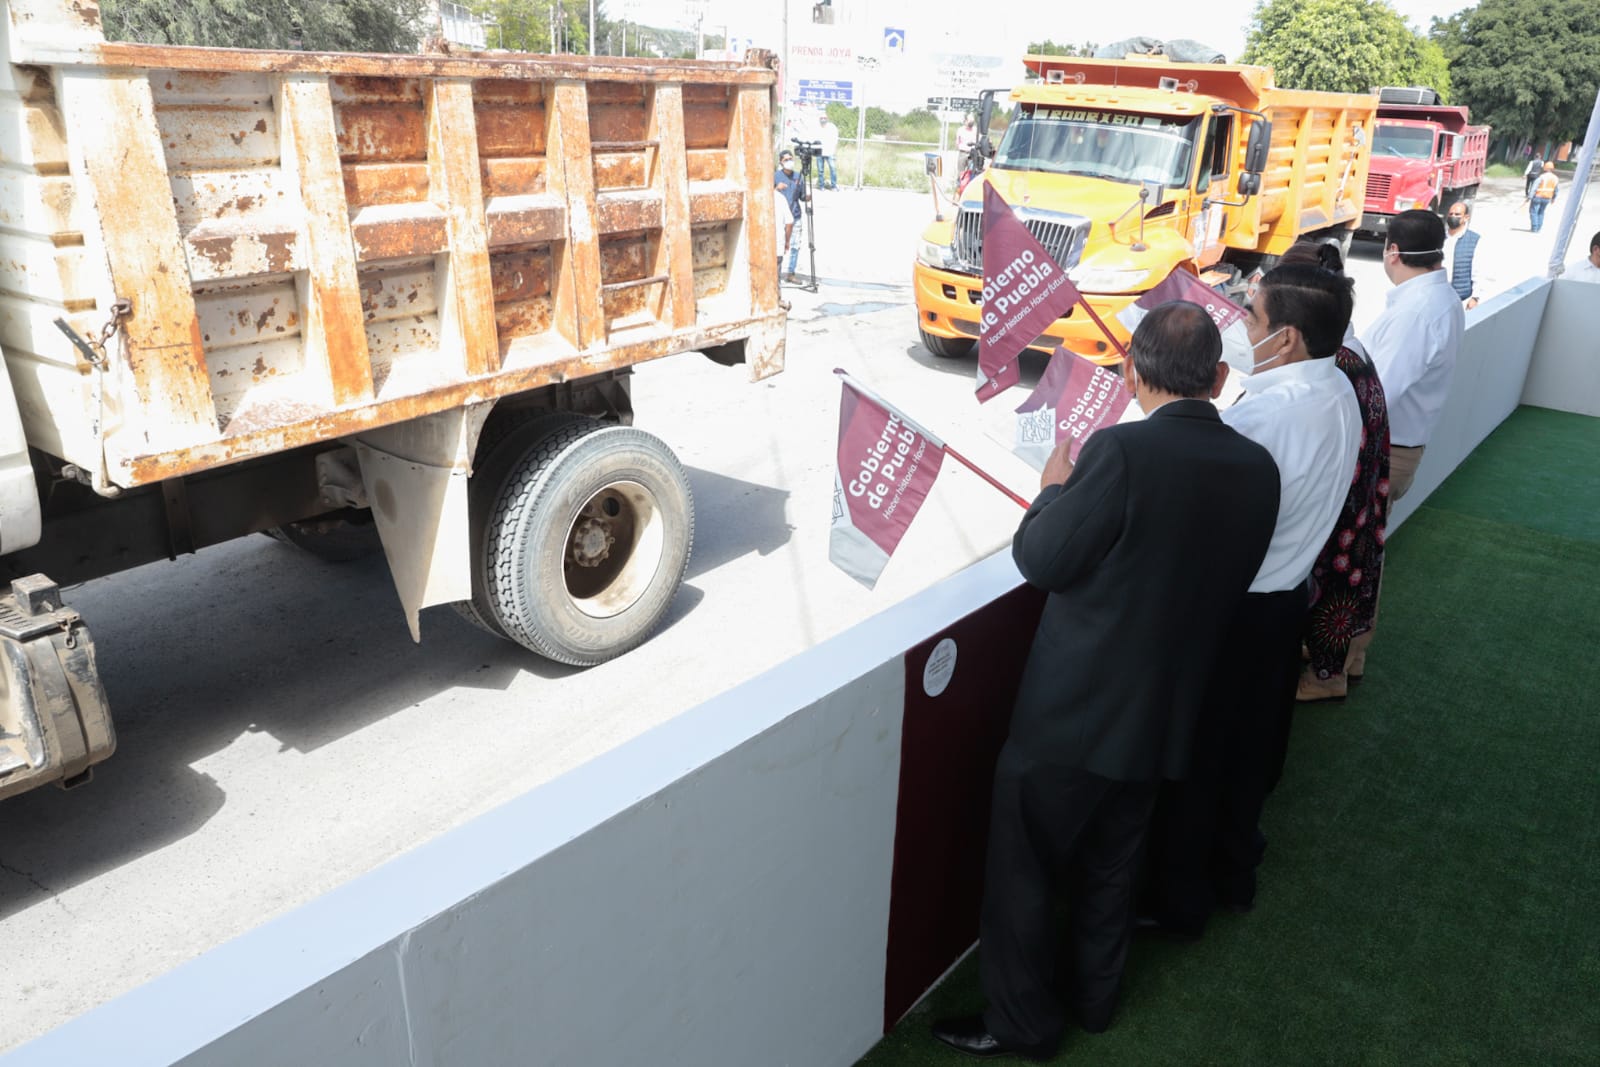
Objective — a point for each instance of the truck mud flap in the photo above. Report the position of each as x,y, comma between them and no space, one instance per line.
54,722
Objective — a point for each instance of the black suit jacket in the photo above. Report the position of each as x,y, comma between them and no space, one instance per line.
1147,550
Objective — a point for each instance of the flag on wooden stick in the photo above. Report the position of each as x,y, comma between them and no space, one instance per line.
1181,285
886,466
1024,290
1073,399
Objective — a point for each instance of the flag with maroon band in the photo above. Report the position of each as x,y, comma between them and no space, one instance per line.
1073,399
1181,285
1024,290
886,465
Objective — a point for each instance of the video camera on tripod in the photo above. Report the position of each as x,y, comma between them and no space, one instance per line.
806,151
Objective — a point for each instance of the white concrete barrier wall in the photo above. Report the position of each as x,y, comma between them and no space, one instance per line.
1491,368
772,877
1565,374
714,892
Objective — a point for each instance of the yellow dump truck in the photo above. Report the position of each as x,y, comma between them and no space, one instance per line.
1124,169
354,299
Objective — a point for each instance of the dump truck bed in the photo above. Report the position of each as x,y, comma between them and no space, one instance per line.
307,246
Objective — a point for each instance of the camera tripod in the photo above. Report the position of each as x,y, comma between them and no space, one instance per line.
808,151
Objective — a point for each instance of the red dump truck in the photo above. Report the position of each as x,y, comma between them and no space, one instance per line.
1424,154
356,298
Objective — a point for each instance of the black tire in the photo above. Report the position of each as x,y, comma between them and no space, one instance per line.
588,542
946,347
339,537
502,443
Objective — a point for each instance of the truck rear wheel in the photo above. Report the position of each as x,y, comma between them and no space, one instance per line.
587,541
502,443
946,347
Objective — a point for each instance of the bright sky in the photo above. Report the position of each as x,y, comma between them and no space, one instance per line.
1221,23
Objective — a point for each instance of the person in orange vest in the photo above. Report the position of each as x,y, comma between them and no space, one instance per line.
1543,195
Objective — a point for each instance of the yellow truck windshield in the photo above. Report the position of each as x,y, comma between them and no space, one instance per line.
1114,145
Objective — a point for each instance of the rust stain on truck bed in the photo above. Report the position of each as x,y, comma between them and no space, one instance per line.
354,230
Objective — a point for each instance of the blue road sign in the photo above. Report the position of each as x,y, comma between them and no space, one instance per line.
827,92
894,40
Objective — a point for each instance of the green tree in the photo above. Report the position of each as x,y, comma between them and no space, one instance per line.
319,25
1347,46
526,25
1048,47
1527,69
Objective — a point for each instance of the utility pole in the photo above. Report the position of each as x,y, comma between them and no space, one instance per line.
786,76
591,27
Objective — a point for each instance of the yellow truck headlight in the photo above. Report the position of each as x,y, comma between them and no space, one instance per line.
1404,204
1100,280
932,254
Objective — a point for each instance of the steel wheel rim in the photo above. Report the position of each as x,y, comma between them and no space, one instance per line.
614,546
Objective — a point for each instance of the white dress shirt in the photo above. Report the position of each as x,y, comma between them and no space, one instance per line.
1414,345
1583,271
1306,416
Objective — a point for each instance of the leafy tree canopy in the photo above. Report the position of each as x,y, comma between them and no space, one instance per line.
1048,47
527,25
318,25
1343,46
1526,68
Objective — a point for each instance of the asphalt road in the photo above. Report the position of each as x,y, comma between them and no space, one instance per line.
279,732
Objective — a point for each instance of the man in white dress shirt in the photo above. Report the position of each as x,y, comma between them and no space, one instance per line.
1587,270
1414,342
1300,407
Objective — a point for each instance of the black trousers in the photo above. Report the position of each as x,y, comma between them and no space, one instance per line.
1207,841
1053,827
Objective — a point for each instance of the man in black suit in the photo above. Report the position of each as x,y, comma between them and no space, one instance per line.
1147,547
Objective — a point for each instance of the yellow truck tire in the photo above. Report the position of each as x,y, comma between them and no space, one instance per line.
946,347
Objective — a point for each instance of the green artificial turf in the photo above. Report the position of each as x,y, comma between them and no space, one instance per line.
1429,894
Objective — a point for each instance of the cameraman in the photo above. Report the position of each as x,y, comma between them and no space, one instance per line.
792,184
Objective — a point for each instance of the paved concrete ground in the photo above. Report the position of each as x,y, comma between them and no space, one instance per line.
279,732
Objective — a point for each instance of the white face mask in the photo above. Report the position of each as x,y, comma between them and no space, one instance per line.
1254,366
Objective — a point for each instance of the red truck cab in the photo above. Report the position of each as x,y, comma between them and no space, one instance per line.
1424,154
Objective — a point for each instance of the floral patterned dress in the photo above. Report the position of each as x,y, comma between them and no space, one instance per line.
1345,577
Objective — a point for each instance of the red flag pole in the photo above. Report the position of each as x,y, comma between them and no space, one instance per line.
985,475
1084,302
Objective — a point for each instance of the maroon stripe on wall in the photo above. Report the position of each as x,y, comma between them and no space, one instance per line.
948,748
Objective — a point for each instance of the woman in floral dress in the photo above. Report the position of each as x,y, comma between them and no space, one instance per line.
1345,577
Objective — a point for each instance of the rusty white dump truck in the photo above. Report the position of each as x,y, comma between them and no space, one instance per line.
343,297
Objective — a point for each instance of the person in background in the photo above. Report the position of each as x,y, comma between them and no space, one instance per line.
1587,270
1415,340
782,222
1460,251
792,184
1344,579
1535,166
1299,406
1413,344
1542,196
1146,547
967,135
827,174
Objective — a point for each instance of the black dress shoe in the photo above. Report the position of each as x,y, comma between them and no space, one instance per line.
1149,924
969,1034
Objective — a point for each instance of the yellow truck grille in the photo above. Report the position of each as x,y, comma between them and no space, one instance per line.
1062,236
